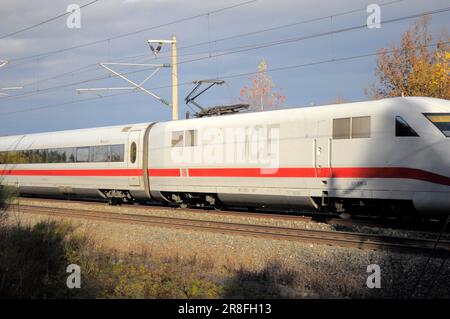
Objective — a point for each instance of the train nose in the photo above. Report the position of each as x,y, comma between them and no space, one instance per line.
436,161
429,154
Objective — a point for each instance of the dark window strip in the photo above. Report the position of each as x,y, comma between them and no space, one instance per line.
101,153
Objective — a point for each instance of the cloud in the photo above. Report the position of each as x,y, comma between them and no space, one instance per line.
110,18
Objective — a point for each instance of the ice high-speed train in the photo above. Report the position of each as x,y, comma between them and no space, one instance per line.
392,155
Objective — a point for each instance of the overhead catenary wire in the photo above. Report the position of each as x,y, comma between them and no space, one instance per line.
241,49
78,46
44,22
282,68
288,25
93,66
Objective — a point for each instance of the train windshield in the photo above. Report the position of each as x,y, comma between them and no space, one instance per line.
441,121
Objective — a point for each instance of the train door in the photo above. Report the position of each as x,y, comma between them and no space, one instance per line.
134,159
322,150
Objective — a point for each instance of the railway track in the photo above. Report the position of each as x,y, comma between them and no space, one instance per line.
333,238
331,219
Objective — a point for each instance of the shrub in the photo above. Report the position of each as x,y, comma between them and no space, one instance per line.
33,263
7,194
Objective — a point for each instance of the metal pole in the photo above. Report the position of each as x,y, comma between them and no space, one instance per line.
174,79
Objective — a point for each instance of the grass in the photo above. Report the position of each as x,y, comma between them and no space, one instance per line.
34,259
7,194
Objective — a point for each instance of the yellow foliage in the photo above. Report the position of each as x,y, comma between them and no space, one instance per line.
415,67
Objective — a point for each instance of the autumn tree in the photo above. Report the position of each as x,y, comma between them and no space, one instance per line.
340,100
415,67
260,94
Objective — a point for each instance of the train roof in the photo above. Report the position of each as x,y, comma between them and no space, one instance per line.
367,105
112,129
364,108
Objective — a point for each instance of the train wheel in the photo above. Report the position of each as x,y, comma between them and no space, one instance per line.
114,201
345,216
220,206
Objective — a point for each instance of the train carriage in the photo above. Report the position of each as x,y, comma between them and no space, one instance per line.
106,162
391,155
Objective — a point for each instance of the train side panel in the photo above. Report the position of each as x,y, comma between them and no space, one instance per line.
87,175
309,161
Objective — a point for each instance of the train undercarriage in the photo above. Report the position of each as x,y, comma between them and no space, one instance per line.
344,207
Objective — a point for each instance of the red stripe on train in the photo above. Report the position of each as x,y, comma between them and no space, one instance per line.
164,172
73,172
340,172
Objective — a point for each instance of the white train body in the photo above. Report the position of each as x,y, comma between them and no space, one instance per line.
393,154
77,178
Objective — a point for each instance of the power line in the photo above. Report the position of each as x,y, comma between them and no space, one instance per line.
214,41
239,50
288,25
45,21
40,55
297,39
282,68
296,66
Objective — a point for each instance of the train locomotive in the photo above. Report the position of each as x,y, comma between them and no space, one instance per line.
390,155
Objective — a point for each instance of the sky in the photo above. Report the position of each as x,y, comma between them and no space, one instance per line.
52,61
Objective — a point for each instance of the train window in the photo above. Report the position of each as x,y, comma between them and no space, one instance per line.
177,138
133,152
191,138
36,156
31,155
53,156
82,154
3,157
402,128
68,154
441,121
117,153
61,155
361,127
43,154
99,153
15,157
106,153
341,128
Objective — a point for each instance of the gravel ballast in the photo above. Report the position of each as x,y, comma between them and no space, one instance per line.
320,271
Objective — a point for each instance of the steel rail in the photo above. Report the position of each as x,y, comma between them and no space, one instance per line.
317,217
332,238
